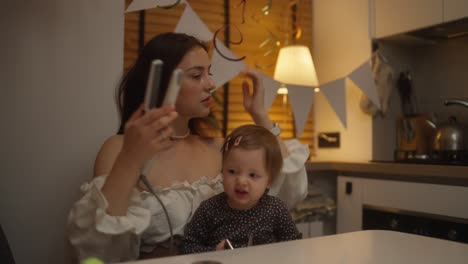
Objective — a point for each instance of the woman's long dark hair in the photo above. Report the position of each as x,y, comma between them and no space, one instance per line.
170,48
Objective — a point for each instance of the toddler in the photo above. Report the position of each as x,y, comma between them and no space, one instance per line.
244,213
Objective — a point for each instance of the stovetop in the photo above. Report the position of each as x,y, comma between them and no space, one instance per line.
456,158
434,162
427,161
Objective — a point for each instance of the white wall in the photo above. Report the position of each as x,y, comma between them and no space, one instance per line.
60,63
340,44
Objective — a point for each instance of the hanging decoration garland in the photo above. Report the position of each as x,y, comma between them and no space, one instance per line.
362,76
268,57
271,42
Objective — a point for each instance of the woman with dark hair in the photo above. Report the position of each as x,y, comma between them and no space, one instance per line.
117,219
169,48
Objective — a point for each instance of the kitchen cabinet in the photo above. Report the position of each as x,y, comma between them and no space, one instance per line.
349,204
311,229
398,16
355,193
455,9
390,17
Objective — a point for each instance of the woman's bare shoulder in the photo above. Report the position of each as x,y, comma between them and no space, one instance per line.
107,155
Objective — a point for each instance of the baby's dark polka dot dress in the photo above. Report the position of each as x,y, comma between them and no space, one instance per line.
267,222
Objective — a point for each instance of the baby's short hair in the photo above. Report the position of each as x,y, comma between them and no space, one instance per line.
251,137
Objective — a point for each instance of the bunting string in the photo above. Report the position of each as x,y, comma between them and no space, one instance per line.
177,2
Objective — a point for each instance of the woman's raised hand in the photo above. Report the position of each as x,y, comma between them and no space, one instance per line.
253,100
147,133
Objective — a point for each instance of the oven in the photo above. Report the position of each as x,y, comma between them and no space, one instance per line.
425,224
432,210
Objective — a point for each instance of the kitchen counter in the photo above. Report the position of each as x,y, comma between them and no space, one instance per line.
438,174
363,247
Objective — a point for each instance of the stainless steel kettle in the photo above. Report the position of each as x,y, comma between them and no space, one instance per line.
450,136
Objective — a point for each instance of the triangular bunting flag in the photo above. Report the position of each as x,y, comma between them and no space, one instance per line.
224,70
301,99
138,5
191,24
336,95
363,78
271,89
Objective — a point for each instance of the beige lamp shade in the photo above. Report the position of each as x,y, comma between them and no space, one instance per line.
295,66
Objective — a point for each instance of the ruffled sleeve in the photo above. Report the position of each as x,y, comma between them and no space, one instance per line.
291,184
94,233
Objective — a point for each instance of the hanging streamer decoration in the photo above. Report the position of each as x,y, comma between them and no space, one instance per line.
271,38
266,8
242,2
296,25
268,58
271,43
265,11
230,42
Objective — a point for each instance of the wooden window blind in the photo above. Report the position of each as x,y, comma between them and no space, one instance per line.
255,30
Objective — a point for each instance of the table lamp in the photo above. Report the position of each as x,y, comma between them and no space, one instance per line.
295,66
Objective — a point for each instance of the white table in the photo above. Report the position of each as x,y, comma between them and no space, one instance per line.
357,247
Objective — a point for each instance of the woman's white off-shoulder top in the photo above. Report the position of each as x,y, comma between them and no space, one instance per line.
94,233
